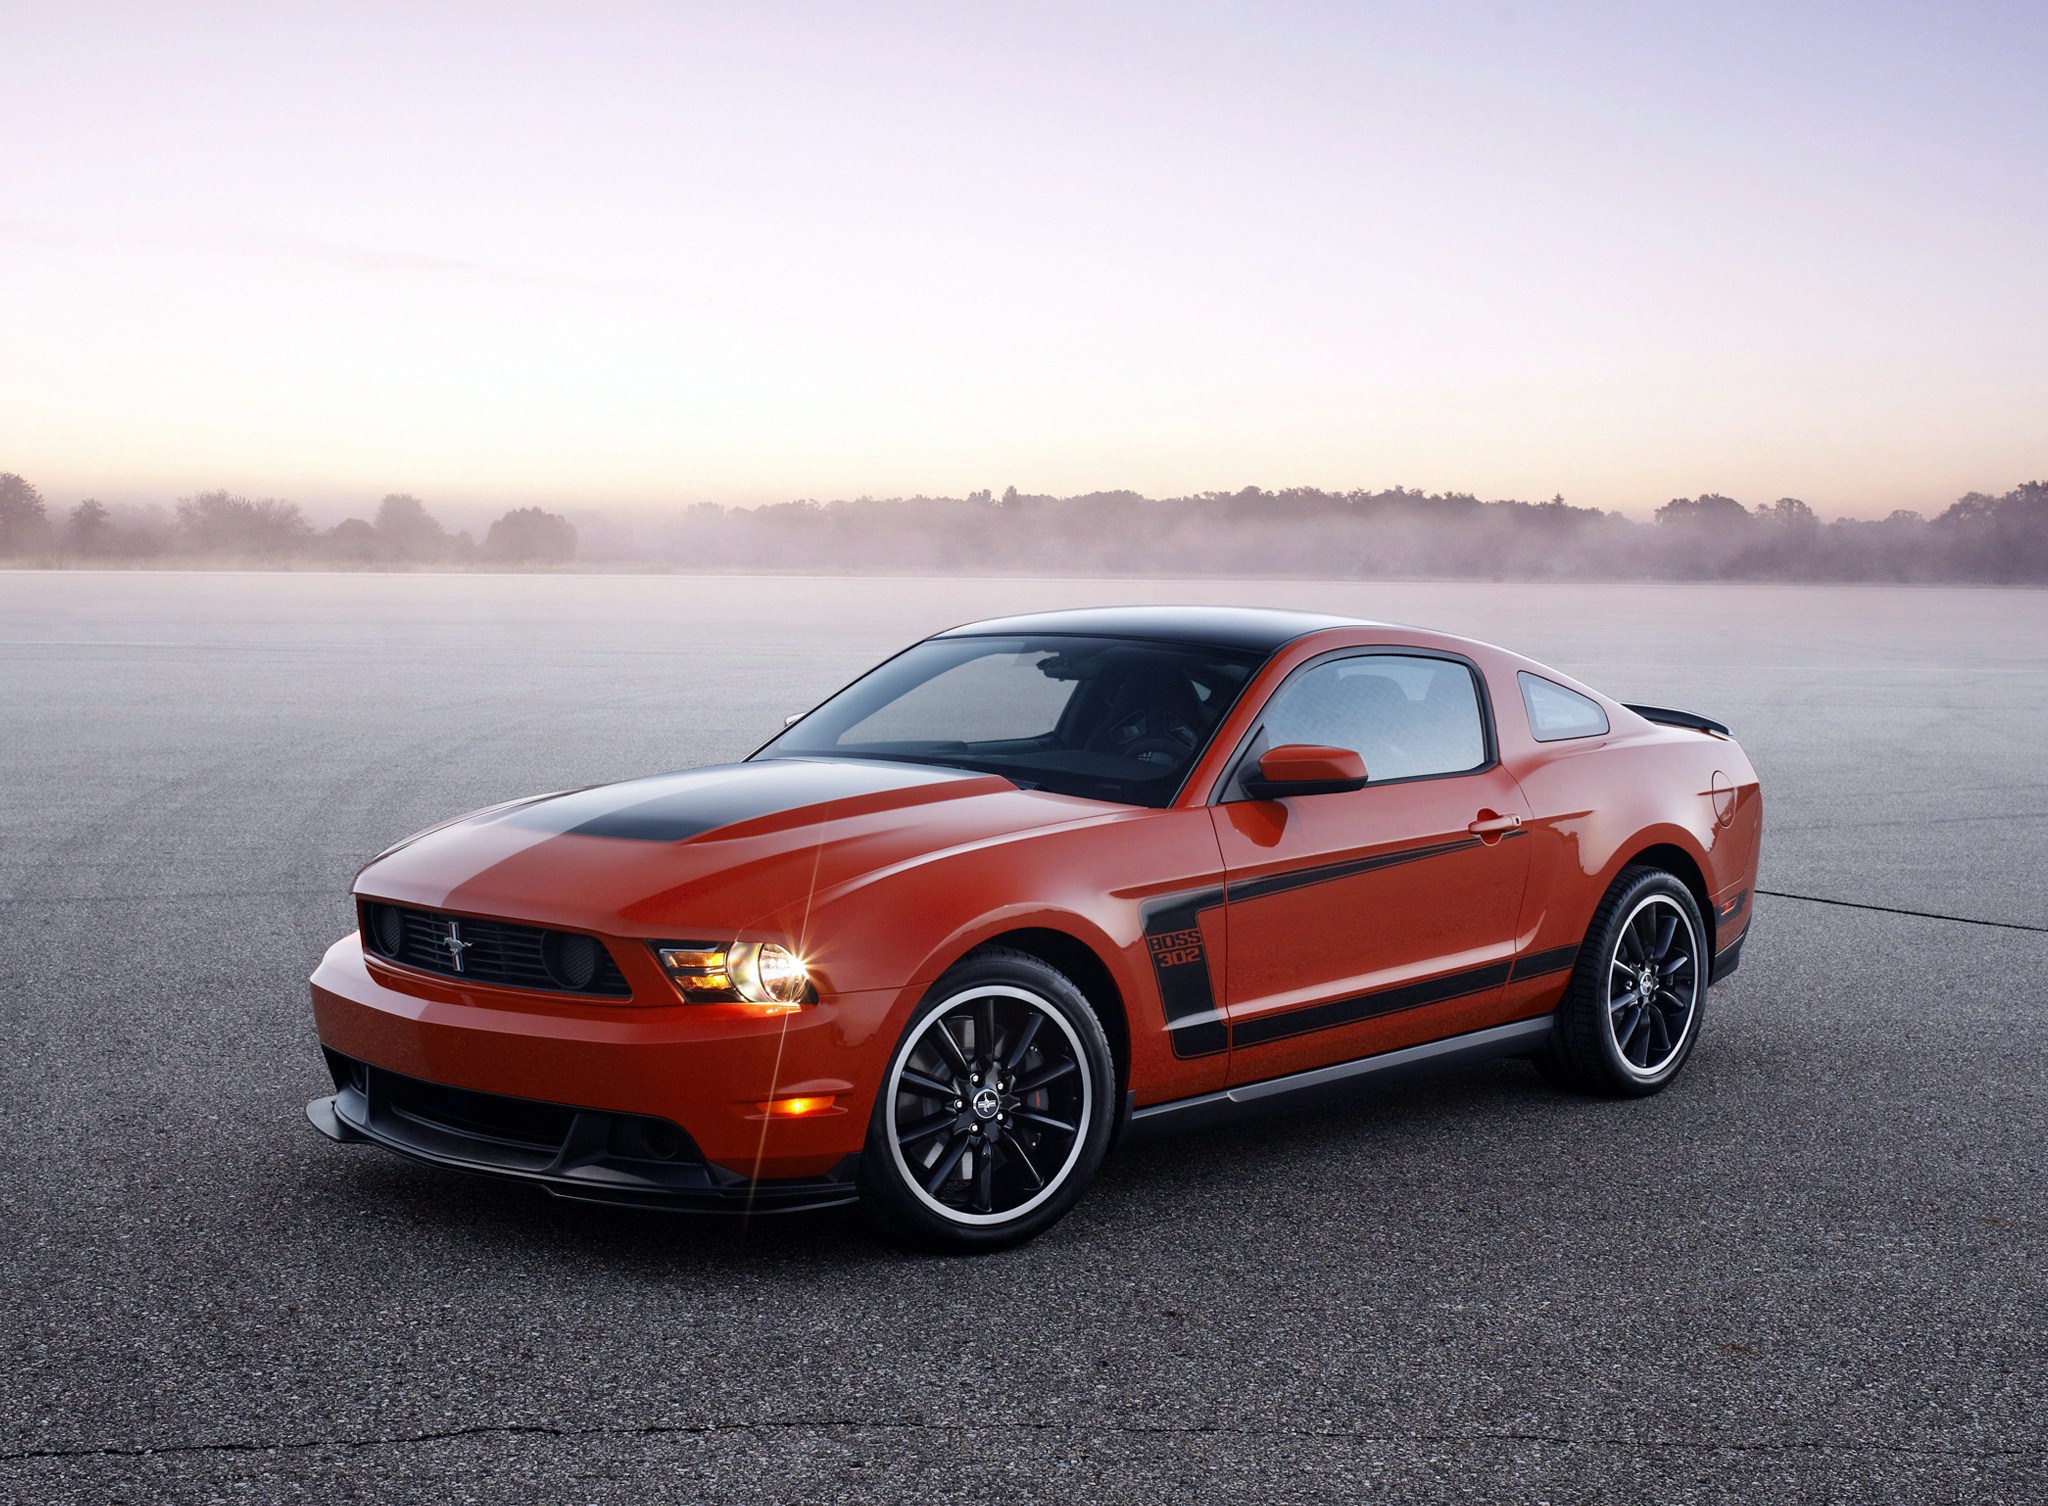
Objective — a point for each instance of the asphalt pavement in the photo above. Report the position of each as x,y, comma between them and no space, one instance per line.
1812,1271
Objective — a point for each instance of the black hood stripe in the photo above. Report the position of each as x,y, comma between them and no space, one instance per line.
676,807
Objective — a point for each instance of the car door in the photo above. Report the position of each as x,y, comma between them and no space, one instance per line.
1366,920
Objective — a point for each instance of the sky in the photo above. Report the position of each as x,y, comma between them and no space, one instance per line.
642,255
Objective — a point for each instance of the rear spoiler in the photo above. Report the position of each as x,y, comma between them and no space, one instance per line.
1670,718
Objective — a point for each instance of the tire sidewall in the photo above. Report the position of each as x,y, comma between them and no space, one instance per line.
883,1188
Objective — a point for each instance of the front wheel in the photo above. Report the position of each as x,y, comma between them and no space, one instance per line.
996,1109
1632,1014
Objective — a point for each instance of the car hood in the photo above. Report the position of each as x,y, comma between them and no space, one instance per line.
713,852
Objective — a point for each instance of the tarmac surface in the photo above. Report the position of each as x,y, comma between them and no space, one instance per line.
1816,1269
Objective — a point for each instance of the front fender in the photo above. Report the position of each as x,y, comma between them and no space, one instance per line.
1110,951
1089,883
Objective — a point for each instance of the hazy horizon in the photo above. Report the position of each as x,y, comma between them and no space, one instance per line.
635,255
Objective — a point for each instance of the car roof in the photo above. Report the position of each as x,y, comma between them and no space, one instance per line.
1260,628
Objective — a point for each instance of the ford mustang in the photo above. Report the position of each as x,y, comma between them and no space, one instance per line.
1028,886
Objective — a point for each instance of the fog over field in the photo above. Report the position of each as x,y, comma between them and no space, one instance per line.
1299,531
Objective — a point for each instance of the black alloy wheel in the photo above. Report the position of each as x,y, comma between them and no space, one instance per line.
1653,985
996,1109
1632,1014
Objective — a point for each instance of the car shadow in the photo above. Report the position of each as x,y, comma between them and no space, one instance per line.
1411,1111
1151,1177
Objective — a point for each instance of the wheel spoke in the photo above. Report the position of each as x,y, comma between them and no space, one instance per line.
1013,1146
1623,1036
924,1129
984,1181
985,1030
930,1087
1662,1033
1047,1120
1671,967
954,1055
1045,1075
1631,942
1666,934
1676,1012
943,1168
1015,1057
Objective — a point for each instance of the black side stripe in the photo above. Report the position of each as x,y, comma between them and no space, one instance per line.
1195,1023
1277,1027
1536,964
1302,878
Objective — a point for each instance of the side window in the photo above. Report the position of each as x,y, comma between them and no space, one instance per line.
1406,717
1556,714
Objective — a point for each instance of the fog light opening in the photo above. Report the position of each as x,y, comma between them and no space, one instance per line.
645,1140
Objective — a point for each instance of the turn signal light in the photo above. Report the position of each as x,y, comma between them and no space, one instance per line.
701,973
798,1108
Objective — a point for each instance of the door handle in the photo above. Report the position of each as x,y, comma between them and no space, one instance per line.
1488,826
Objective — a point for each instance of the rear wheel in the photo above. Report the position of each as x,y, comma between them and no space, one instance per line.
1632,1014
996,1109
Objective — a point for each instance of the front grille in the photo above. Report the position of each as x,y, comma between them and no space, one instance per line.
493,951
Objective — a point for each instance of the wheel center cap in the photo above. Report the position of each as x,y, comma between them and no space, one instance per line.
987,1103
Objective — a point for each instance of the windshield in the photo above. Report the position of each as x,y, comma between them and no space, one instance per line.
1103,718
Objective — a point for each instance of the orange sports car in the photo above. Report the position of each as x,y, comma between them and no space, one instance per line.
1029,885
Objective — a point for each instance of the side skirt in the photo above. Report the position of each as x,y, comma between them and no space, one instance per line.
1210,1108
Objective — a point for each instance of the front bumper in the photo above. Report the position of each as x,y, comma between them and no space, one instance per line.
591,1155
706,1069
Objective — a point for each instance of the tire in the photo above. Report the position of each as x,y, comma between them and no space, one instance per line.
1632,1014
995,1111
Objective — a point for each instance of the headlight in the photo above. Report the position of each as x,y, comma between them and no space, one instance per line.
765,973
749,972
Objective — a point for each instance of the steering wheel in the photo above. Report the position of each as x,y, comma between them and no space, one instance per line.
1155,737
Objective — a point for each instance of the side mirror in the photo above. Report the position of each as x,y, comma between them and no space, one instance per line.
1305,769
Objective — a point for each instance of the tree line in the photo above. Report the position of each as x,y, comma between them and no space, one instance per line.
219,527
1359,534
1297,531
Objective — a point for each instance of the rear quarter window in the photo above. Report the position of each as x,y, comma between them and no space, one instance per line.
1557,714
